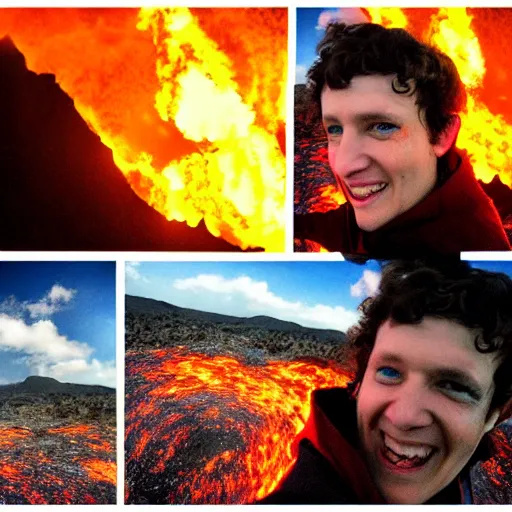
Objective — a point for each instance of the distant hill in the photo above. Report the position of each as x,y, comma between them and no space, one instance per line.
35,384
142,305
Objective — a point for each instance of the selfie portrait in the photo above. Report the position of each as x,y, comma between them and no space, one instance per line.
402,129
319,382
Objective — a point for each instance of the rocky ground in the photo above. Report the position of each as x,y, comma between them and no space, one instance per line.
57,448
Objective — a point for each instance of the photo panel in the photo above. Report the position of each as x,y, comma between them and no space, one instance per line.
57,383
152,129
402,131
297,382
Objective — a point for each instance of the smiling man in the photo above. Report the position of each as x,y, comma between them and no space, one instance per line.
389,108
433,352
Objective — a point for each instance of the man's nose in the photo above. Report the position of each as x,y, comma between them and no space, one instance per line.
349,156
409,408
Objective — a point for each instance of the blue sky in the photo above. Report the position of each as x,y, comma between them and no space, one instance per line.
313,294
57,319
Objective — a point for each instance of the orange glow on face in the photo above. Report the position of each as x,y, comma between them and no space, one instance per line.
271,402
190,101
485,135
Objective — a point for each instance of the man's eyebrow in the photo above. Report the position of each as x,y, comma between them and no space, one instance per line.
369,117
330,119
389,357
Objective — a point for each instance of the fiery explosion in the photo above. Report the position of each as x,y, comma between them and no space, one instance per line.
191,102
474,40
219,429
49,466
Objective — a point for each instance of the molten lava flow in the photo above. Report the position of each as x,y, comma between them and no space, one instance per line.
485,136
100,470
240,419
191,102
9,436
61,459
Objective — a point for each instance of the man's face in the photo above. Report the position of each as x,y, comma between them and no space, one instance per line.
423,407
379,149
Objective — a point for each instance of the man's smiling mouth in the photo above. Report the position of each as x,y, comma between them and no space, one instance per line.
364,192
406,456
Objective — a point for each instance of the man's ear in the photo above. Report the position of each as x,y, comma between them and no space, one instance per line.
491,420
447,137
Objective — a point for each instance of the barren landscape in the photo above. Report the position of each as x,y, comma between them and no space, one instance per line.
57,443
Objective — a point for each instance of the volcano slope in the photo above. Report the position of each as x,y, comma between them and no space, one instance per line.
57,443
214,402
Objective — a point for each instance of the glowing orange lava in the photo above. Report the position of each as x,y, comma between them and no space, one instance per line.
100,470
61,478
266,406
191,102
485,135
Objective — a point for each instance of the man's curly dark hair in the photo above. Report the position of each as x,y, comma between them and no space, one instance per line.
477,299
369,49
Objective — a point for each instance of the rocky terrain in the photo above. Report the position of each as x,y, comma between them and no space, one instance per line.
57,443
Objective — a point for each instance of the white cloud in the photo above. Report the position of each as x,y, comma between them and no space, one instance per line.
79,371
50,354
300,74
40,338
53,301
260,300
133,273
366,286
348,15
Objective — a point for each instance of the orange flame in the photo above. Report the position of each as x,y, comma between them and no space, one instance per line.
194,127
485,136
277,393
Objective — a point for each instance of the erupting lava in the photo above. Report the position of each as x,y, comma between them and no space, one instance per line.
50,466
191,102
219,429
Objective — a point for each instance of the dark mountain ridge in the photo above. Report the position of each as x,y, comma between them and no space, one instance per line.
142,305
35,385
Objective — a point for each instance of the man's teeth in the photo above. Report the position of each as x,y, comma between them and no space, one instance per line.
408,451
363,192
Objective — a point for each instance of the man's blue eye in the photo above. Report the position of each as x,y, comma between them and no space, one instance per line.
384,128
335,129
388,373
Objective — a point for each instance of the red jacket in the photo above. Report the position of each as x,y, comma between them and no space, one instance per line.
456,216
329,467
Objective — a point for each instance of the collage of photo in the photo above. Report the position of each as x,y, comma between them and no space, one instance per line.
255,256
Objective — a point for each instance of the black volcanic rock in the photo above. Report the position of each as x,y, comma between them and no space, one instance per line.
500,194
141,305
35,384
60,189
